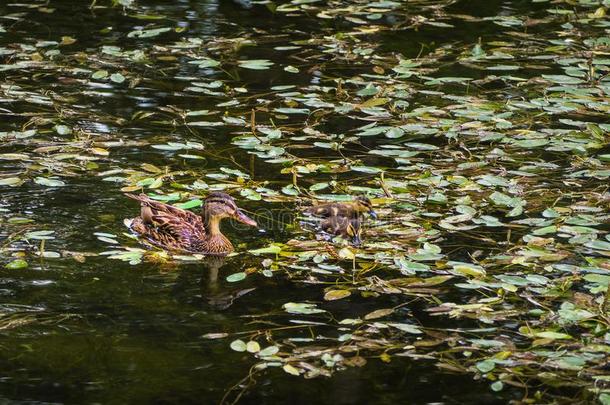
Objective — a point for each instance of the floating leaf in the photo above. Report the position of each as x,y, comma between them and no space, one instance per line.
334,295
290,190
117,78
552,335
10,181
190,204
469,270
44,181
291,369
253,347
268,351
301,308
99,74
235,277
486,366
366,169
148,33
63,129
292,110
274,249
238,345
379,313
405,327
562,79
255,64
40,235
16,264
219,335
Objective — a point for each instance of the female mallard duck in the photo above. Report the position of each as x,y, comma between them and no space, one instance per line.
345,227
351,209
176,229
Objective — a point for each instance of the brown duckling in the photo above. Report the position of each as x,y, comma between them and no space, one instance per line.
176,229
347,228
351,209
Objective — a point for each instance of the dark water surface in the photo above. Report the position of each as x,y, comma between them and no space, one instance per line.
103,331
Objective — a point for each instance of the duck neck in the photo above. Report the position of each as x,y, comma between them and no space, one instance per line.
215,243
213,225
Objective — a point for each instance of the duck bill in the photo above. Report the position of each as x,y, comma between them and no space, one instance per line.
244,219
356,241
373,214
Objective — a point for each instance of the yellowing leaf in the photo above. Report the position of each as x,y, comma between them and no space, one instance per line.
552,335
253,347
334,295
380,313
10,181
291,369
100,151
373,102
465,269
151,168
346,253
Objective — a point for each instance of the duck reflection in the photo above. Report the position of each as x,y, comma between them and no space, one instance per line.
213,292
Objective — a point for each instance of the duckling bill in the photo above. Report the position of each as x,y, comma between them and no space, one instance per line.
176,229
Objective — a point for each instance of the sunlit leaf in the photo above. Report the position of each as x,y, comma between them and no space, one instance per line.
552,335
44,181
238,345
235,277
301,308
16,264
334,295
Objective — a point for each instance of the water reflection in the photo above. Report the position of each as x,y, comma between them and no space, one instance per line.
203,285
212,291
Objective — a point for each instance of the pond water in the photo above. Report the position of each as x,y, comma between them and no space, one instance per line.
479,129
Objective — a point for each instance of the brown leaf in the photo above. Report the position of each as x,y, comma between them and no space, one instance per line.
356,361
378,313
334,295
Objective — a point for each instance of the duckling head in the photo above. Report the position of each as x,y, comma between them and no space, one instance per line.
363,204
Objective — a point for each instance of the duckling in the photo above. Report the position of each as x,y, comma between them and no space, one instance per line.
345,227
176,229
351,209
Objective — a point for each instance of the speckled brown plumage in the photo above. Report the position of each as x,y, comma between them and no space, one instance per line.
343,219
348,228
350,209
176,229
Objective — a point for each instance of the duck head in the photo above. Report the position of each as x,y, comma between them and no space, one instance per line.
218,206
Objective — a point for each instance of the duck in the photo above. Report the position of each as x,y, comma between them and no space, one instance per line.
350,209
175,229
347,228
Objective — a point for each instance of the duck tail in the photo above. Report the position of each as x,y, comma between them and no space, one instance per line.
140,197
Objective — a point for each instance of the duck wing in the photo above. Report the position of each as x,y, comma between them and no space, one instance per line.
158,211
331,210
168,224
323,210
